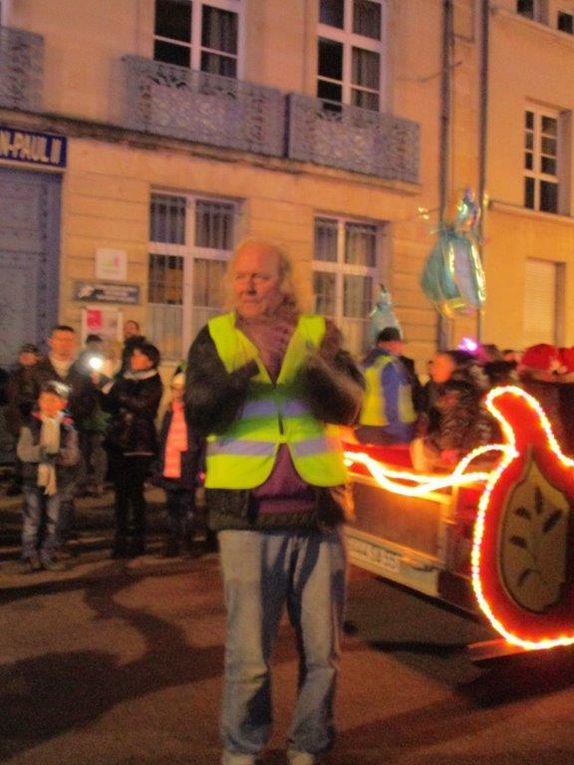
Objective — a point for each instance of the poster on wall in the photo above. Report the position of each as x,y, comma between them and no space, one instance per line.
101,320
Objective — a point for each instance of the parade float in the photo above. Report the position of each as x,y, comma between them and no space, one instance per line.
496,534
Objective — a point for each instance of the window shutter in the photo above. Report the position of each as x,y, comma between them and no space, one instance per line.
540,302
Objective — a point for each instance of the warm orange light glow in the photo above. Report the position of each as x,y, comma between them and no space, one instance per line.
483,507
408,483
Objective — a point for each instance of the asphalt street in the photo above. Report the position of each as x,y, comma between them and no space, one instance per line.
120,663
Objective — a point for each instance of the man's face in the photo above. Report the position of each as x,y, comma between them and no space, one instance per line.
256,281
130,329
62,344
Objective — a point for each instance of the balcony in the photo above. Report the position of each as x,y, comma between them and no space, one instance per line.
21,69
354,139
169,100
163,99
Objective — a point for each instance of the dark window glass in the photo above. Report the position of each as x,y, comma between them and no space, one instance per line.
529,193
324,288
214,64
566,22
165,283
548,196
549,125
167,219
332,12
366,68
173,19
525,8
171,54
329,91
367,19
528,161
330,59
548,165
365,100
326,240
357,296
529,120
219,30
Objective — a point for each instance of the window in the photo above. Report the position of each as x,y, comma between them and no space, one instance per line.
536,10
345,275
541,155
565,22
197,34
350,52
191,240
543,301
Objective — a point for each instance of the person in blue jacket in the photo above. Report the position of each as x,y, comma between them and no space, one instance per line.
388,415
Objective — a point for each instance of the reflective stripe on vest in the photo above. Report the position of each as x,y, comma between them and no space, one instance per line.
271,415
373,409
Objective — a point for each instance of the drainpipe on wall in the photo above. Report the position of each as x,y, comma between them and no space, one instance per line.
483,135
443,329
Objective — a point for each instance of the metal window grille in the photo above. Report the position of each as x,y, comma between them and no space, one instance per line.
190,242
346,261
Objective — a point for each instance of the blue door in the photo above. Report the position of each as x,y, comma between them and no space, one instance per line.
29,258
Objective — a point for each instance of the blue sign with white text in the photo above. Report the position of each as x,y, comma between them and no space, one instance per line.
37,148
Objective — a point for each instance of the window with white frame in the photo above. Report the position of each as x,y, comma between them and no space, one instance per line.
199,35
537,10
191,240
541,160
350,52
345,274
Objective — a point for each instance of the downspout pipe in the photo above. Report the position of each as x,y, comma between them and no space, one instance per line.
443,338
483,134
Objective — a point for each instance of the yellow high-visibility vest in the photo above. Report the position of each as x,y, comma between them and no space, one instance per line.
373,410
273,414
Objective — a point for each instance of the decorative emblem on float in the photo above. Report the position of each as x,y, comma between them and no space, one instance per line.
523,543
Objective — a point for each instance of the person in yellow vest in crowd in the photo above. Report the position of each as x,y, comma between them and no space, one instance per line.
388,415
262,382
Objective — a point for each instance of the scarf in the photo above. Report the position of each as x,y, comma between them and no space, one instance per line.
50,443
176,441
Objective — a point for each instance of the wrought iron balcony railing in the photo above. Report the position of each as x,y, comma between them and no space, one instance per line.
174,101
351,138
21,69
169,100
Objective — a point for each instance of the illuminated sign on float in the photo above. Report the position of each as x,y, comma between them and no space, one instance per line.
523,535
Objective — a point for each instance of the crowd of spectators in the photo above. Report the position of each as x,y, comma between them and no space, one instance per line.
83,422
112,399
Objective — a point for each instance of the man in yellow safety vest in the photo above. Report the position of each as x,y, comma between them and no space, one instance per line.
262,382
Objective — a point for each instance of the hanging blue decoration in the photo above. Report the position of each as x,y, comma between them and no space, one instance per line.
383,314
453,277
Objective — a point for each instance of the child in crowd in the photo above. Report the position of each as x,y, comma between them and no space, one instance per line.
48,449
177,469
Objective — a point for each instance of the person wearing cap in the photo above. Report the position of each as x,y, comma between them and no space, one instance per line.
22,391
388,415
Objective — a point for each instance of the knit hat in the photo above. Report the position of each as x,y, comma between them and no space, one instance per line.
389,334
30,348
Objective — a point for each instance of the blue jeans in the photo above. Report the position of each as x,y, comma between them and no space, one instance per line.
38,508
264,572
